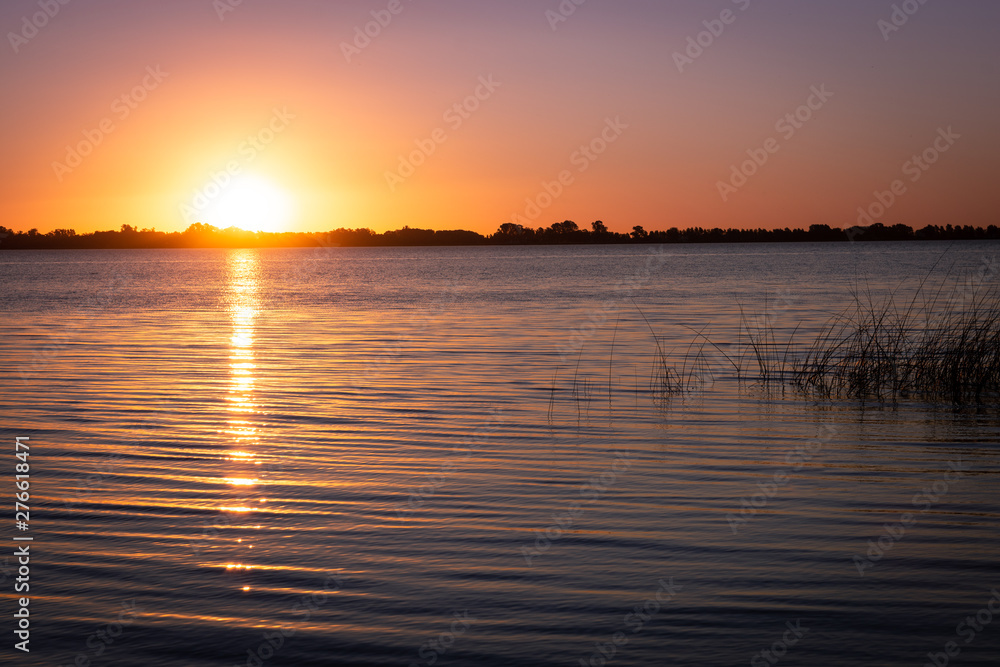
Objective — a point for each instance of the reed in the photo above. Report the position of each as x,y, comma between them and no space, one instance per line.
924,347
940,345
930,347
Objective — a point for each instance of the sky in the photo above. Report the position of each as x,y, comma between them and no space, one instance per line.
303,115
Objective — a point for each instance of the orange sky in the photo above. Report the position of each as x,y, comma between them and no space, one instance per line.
329,132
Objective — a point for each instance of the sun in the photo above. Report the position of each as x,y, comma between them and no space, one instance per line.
253,203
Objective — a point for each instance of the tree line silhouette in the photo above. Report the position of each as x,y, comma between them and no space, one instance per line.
200,235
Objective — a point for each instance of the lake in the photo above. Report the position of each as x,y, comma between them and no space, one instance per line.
459,456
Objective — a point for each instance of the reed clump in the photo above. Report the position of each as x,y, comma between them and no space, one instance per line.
934,345
928,347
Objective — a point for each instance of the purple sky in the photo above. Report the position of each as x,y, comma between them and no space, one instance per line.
357,144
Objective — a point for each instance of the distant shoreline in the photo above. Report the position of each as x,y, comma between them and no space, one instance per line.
563,233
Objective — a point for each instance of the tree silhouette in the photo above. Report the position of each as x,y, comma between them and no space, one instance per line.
566,227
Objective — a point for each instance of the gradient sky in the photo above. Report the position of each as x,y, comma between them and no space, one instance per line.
608,60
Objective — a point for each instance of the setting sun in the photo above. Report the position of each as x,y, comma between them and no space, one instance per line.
253,203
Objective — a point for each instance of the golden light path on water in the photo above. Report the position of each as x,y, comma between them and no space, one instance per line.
241,427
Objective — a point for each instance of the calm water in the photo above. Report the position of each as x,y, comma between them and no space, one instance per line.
453,457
